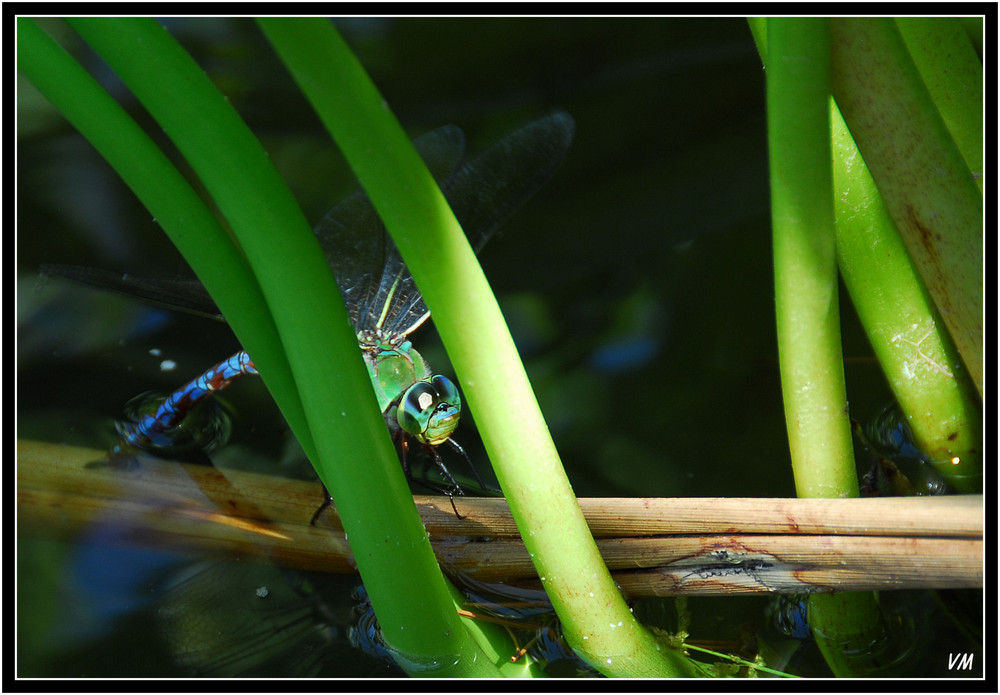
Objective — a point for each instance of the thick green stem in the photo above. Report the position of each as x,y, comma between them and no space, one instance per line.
417,615
806,290
920,172
812,372
595,618
917,356
340,414
178,209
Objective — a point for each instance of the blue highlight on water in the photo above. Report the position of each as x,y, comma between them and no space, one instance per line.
624,354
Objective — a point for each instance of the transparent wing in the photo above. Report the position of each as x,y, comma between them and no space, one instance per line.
354,239
483,193
185,294
371,274
351,235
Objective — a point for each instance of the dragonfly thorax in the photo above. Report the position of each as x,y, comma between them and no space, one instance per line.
422,404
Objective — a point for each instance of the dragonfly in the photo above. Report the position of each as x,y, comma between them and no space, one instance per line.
384,304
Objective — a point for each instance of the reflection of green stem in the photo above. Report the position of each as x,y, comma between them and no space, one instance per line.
596,620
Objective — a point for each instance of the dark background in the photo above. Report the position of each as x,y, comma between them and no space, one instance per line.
637,283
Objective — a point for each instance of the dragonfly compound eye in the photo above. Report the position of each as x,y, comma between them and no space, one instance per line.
429,410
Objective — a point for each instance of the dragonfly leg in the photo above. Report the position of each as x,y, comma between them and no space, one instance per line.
456,488
458,447
444,469
152,430
451,498
327,501
404,448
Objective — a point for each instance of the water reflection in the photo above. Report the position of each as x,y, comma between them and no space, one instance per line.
898,466
241,619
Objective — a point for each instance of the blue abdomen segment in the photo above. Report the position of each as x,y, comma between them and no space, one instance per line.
153,430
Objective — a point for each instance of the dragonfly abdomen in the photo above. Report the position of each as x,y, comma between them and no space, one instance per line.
152,429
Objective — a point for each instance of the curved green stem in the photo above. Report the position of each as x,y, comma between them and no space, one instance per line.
339,423
917,356
420,623
178,209
596,620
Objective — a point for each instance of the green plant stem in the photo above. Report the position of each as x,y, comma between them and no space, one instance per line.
596,621
916,354
913,347
929,382
180,212
812,375
921,174
418,620
387,539
953,75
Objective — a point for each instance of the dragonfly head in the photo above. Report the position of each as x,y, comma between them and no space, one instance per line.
429,410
